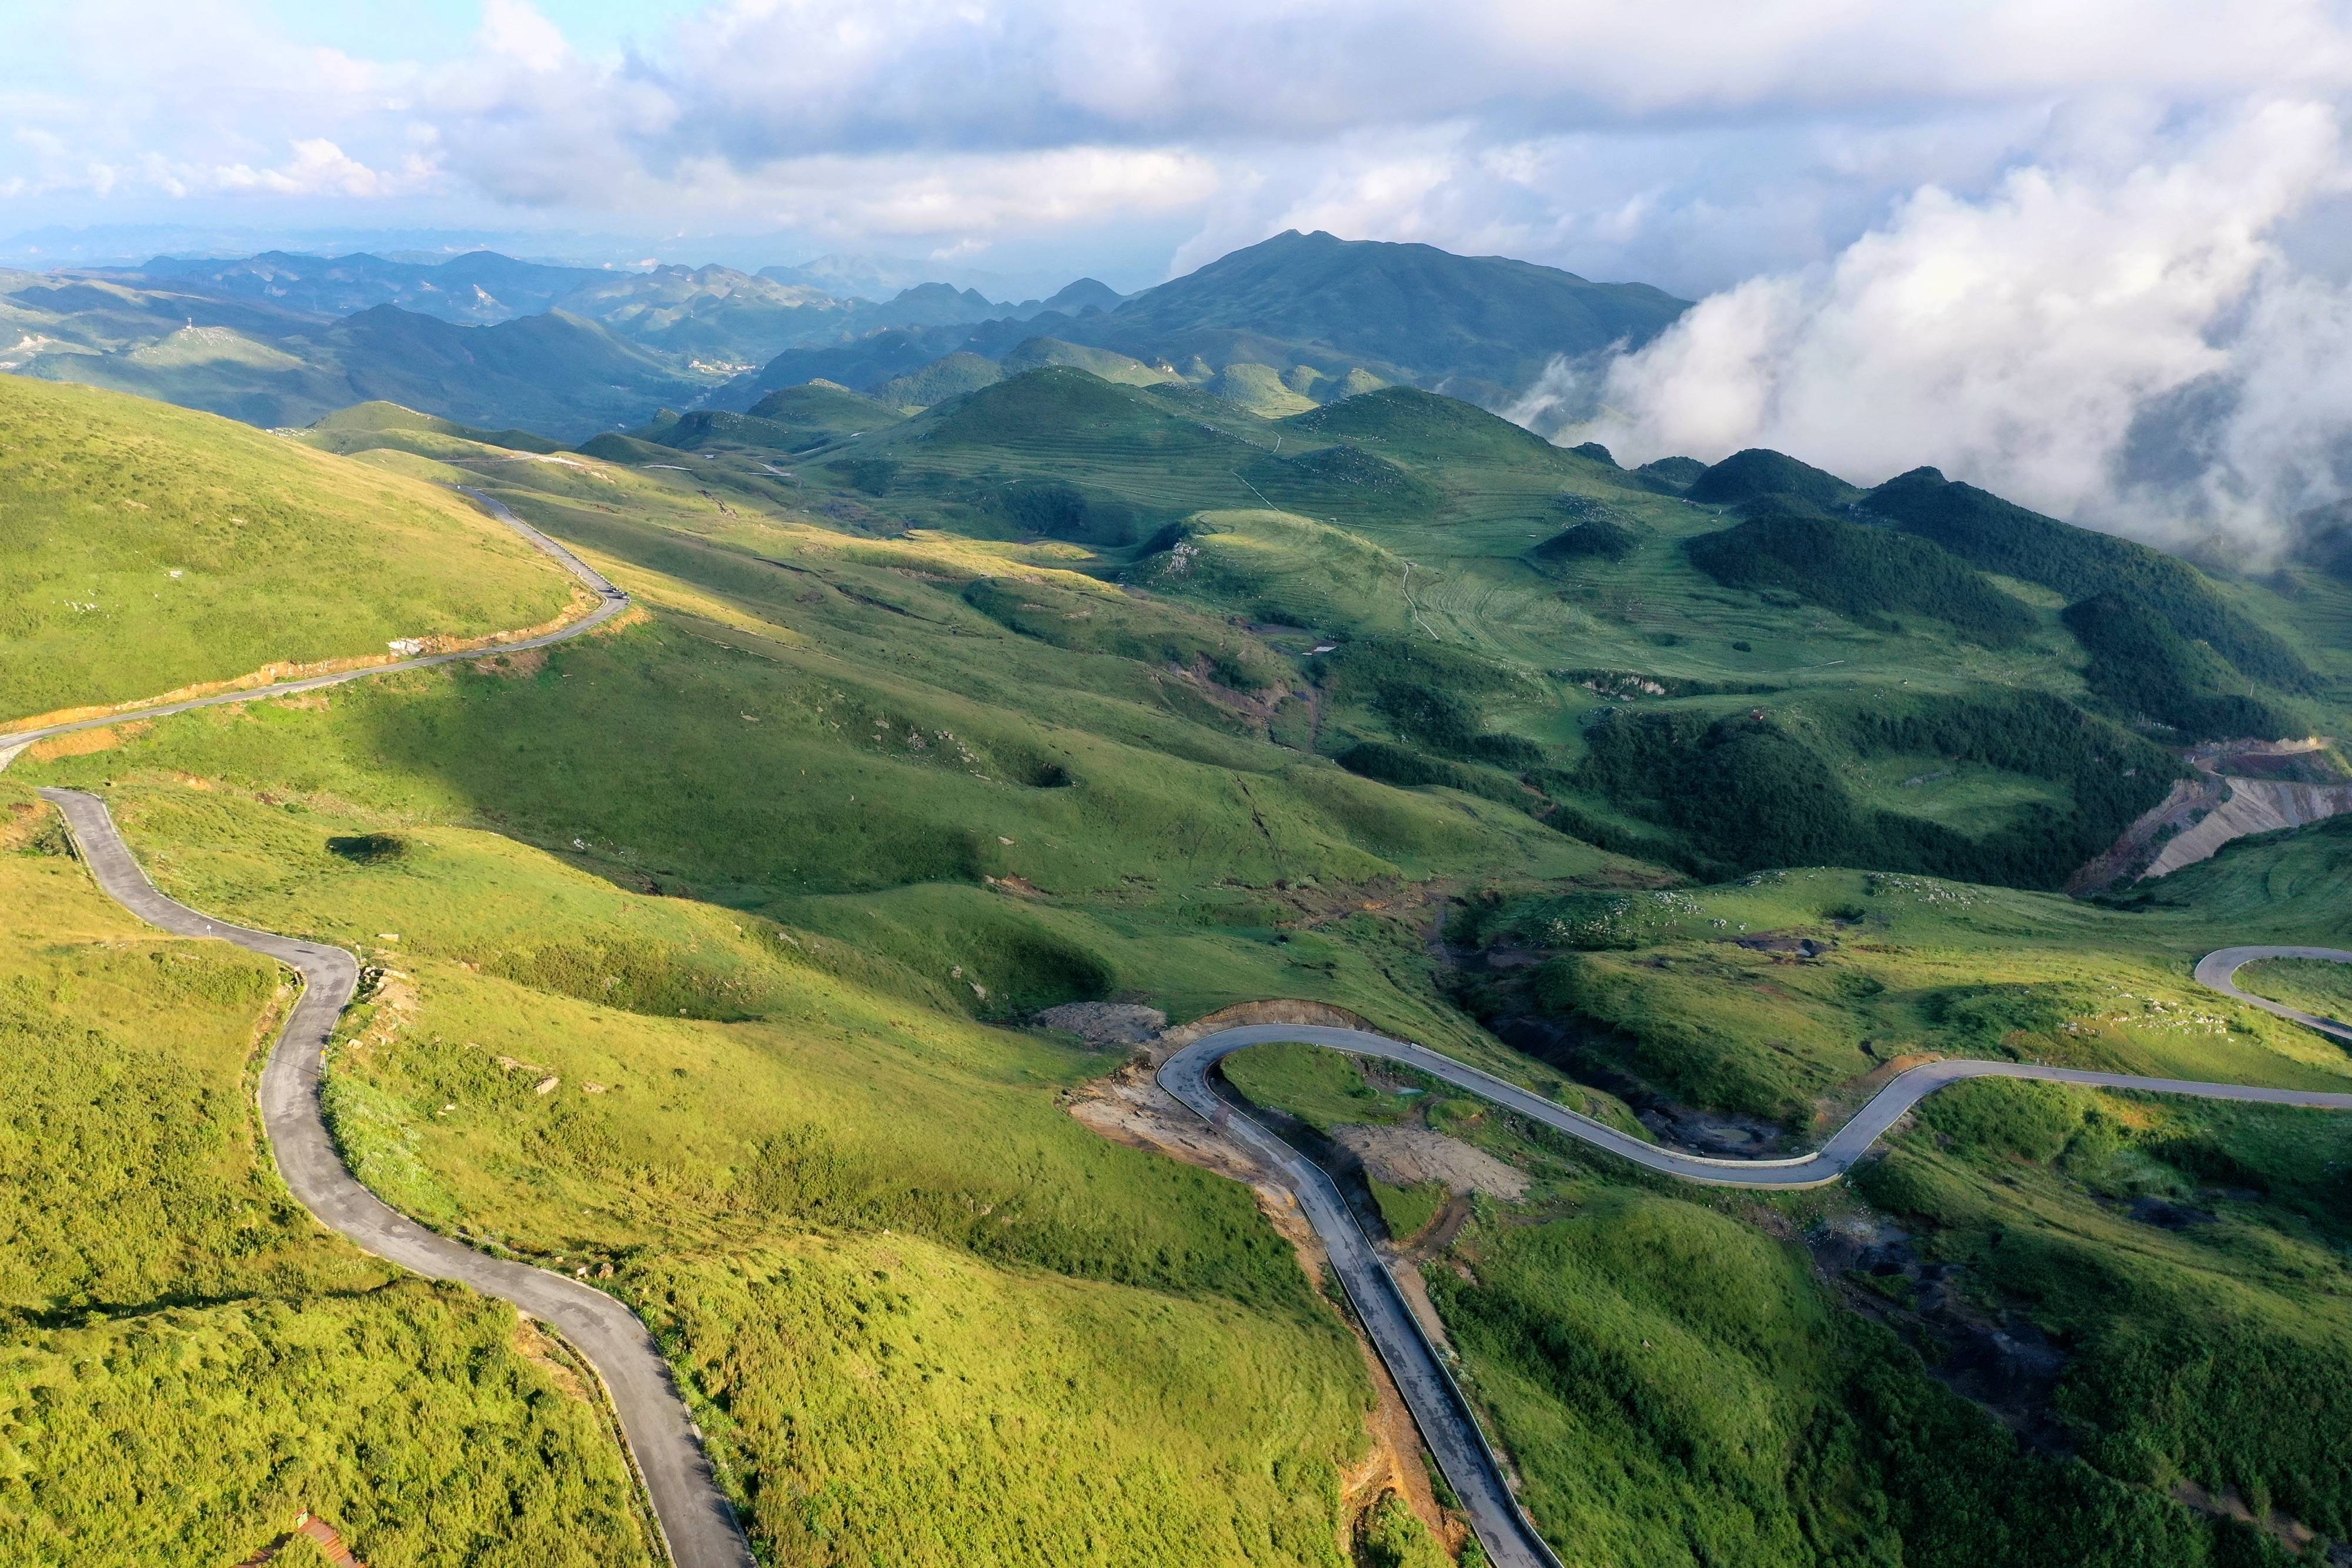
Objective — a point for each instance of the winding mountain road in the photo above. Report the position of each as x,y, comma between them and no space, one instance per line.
611,602
2218,971
700,1528
1439,1408
693,1516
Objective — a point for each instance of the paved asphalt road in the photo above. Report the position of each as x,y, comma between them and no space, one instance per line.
2220,971
695,1518
1438,1406
701,1529
612,603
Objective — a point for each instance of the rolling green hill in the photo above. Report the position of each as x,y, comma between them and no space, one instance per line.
1404,312
957,373
1822,651
1999,536
1758,473
1295,319
2142,668
169,1301
365,426
1034,353
1066,689
558,374
149,549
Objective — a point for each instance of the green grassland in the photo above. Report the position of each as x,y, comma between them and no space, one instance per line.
371,426
150,547
2313,985
186,1360
699,933
1403,515
756,1140
1657,986
1680,1382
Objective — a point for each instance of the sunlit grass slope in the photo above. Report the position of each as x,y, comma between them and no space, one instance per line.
186,1360
2316,987
1659,986
1680,1382
701,925
766,1091
145,547
921,1310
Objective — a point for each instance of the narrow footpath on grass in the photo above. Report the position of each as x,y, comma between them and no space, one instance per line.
693,1517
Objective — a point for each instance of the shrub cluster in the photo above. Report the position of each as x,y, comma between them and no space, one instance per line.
1998,535
2141,668
1755,795
1871,575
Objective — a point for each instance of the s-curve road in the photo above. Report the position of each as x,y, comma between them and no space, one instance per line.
611,602
695,1520
694,1516
1439,1408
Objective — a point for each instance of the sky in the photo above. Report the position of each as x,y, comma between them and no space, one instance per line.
2094,251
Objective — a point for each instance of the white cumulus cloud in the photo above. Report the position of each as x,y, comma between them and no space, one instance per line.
2038,339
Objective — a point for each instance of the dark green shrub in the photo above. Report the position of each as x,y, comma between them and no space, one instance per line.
1867,573
2141,668
1997,536
367,849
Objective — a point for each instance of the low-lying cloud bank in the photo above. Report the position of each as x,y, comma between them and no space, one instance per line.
2119,342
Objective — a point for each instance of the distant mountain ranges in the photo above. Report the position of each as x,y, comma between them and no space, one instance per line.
483,339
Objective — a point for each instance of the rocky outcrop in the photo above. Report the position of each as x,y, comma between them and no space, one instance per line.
2254,806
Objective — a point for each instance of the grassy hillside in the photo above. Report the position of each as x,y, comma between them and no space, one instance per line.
1008,785
758,1130
149,549
2062,1259
1738,1017
821,409
1401,312
1870,676
169,1312
1065,689
2316,987
1260,390
1999,536
1758,473
1292,321
1871,574
954,374
1037,353
2141,668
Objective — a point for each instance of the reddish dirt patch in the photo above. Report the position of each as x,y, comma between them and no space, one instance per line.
331,1544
